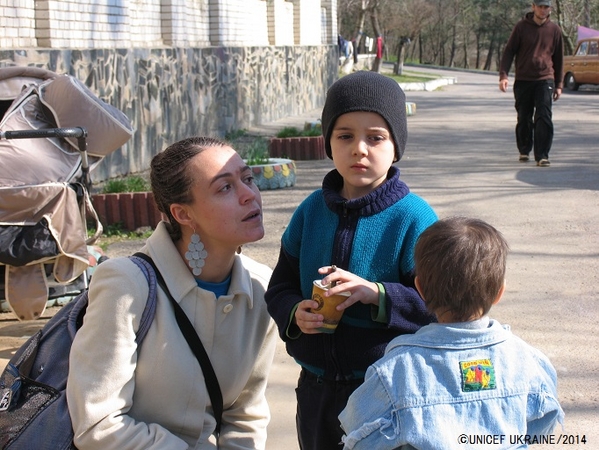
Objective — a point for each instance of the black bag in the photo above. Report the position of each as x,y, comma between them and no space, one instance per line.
33,405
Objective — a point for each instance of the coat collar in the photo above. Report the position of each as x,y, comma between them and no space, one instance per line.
177,275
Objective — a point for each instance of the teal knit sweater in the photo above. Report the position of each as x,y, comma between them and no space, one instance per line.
372,237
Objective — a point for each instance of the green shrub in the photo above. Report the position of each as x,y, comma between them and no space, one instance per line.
128,184
233,135
253,149
312,132
256,152
288,132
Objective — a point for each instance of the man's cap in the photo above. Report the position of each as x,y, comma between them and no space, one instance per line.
371,92
542,2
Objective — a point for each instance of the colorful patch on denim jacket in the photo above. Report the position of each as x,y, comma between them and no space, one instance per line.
477,375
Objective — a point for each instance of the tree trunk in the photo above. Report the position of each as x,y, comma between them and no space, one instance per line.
490,54
378,59
452,49
398,67
465,50
401,55
478,47
360,31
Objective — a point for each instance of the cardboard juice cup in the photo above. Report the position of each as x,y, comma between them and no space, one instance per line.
327,306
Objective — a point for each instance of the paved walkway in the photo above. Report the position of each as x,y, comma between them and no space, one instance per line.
461,158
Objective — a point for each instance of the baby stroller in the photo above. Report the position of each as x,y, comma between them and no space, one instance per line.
53,131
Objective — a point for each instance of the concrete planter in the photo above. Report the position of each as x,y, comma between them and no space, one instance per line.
297,148
276,174
132,209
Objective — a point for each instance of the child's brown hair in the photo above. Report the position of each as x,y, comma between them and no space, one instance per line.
460,265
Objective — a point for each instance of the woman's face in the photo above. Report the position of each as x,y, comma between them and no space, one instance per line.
226,207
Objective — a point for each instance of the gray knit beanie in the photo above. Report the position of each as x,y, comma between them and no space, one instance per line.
371,92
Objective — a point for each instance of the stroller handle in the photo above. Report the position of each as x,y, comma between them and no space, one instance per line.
75,132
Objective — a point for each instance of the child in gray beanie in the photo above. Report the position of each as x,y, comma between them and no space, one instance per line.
365,221
367,91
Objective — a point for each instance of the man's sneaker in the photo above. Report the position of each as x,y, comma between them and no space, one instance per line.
543,163
523,158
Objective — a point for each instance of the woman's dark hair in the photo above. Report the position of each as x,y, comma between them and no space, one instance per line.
460,264
171,179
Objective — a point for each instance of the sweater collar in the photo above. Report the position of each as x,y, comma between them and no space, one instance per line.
388,193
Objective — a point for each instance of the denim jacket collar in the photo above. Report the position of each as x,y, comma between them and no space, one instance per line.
454,336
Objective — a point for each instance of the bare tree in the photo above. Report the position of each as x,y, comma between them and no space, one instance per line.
569,14
402,23
452,32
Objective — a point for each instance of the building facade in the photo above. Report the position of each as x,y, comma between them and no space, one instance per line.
178,68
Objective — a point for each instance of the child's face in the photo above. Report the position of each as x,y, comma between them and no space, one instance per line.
362,150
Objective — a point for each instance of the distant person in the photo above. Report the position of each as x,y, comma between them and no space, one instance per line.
344,46
365,221
123,396
537,45
465,376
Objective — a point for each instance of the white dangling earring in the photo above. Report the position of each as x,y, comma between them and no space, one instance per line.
196,254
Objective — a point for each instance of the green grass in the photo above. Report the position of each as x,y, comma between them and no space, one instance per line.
409,76
115,233
413,77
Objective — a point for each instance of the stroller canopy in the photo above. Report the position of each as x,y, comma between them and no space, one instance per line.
44,202
37,99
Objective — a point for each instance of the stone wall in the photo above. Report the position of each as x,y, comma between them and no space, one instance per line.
172,93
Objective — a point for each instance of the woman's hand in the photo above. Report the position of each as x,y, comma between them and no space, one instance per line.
361,290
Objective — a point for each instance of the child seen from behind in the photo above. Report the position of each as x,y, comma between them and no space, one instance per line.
466,375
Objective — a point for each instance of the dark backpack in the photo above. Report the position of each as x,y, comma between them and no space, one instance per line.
33,404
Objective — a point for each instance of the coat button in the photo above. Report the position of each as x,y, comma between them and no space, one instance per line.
228,308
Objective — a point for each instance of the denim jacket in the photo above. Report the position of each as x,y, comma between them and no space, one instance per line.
460,385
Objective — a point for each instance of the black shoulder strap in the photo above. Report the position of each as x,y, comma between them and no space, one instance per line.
150,310
196,346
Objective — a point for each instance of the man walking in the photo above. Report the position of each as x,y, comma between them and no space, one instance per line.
537,45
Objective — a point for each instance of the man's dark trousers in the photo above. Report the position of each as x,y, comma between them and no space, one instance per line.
534,130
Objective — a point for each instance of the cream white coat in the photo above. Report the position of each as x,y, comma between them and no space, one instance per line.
154,397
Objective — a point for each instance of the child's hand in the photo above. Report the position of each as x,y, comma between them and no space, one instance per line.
306,320
361,290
